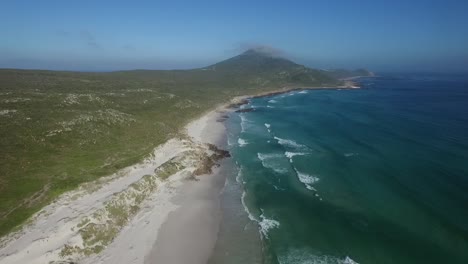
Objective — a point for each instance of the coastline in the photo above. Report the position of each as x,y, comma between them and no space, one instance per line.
237,101
183,211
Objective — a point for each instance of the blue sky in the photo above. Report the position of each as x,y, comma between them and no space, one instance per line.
406,35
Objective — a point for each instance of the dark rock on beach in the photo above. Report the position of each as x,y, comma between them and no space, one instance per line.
245,110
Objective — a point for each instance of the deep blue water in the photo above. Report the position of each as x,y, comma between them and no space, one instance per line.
371,175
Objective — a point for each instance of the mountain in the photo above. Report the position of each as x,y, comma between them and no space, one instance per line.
254,61
262,68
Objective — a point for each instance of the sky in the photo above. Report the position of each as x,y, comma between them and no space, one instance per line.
399,35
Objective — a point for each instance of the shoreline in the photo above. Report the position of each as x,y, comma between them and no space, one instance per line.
57,232
237,101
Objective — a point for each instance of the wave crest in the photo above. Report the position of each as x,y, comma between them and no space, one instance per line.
289,143
268,127
290,155
307,179
244,123
268,161
267,224
304,257
242,142
246,208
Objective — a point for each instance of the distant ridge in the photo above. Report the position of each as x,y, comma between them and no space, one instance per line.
267,67
259,69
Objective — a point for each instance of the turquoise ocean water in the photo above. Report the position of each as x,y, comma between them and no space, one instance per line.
371,175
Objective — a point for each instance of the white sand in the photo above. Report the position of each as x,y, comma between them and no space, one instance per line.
188,212
189,235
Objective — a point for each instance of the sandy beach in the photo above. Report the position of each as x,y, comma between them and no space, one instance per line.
183,211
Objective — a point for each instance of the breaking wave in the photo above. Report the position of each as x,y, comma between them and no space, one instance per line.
242,142
268,161
289,143
244,123
246,208
266,225
297,256
291,155
307,179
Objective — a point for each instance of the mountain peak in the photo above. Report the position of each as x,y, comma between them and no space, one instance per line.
265,51
264,66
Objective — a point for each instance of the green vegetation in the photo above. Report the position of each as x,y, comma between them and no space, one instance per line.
168,168
61,129
102,227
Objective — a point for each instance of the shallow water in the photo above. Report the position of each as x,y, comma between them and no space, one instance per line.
372,175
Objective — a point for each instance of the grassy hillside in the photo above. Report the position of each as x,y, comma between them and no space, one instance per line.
60,129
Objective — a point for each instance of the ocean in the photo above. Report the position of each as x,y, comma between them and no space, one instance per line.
371,175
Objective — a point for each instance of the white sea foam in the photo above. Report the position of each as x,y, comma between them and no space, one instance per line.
305,257
239,175
351,154
243,122
268,127
251,217
266,156
272,101
289,143
290,155
242,142
307,180
348,260
267,224
268,161
303,92
278,188
229,142
269,106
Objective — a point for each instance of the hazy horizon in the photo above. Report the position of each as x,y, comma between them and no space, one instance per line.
107,36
